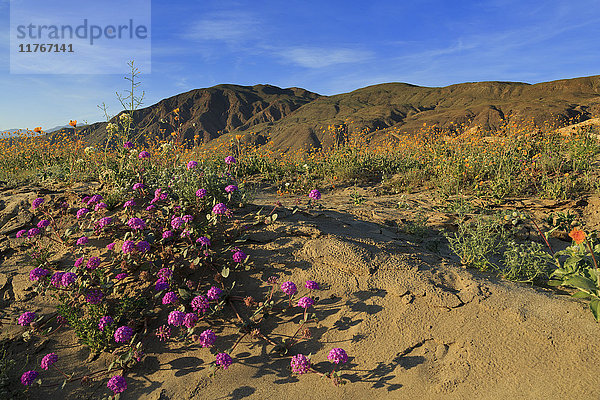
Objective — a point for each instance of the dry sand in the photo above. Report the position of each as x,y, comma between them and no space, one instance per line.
415,324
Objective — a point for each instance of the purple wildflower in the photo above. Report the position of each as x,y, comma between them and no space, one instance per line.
190,320
78,262
121,276
94,199
82,241
136,223
203,240
28,377
165,274
219,209
103,222
161,285
207,338
185,233
305,302
56,279
43,224
85,199
100,206
143,154
128,246
138,186
21,233
289,288
92,263
200,193
337,355
192,164
188,218
142,246
105,322
37,273
26,318
230,160
315,194
312,285
94,296
129,203
37,202
300,364
33,232
170,298
111,246
167,234
231,188
151,207
68,279
224,360
214,293
239,256
82,212
48,360
177,223
176,318
200,304
128,145
123,334
117,384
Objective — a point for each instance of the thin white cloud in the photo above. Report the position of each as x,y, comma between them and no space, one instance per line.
321,57
227,26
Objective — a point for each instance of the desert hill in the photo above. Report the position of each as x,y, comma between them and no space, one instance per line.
296,118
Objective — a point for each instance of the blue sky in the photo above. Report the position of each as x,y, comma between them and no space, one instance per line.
328,47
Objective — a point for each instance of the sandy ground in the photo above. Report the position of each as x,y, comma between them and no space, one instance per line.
415,324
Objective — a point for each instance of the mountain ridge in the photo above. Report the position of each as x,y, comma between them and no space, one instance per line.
295,118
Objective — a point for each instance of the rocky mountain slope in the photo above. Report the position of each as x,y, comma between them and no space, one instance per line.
296,118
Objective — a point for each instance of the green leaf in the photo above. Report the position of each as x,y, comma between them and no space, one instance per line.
184,294
595,307
571,262
112,364
581,283
554,283
274,217
225,272
581,295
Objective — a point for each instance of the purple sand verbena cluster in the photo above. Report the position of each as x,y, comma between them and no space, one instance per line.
207,338
48,360
123,334
289,288
224,360
117,384
300,364
337,355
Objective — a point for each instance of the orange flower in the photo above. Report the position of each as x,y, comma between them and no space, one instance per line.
176,110
238,137
577,235
38,129
73,123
